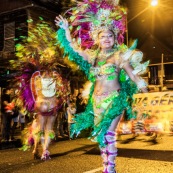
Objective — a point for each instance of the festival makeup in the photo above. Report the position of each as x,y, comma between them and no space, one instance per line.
106,39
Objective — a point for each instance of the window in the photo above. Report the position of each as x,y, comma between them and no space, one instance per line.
9,35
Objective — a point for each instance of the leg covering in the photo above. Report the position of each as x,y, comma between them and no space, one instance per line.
104,156
111,151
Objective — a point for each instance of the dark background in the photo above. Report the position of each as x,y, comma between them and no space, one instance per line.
152,26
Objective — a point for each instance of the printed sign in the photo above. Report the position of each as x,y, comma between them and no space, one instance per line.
154,114
157,103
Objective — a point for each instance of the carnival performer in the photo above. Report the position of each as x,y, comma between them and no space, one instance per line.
94,40
43,90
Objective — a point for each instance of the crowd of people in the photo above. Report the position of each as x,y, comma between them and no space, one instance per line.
12,115
74,105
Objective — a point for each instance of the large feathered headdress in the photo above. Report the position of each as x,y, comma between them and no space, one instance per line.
39,47
93,16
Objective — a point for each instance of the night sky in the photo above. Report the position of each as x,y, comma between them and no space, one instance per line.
142,18
158,21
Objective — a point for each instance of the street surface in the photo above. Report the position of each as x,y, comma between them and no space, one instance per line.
139,155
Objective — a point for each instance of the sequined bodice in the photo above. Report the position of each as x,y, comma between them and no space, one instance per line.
107,70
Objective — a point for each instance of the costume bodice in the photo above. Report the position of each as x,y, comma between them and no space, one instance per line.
104,71
48,87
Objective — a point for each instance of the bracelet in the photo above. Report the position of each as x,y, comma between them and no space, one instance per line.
141,84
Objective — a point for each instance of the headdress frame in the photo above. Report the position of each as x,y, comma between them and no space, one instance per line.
91,17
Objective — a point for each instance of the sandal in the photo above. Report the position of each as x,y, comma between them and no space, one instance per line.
46,155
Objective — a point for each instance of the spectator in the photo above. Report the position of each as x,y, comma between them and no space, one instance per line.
14,126
71,110
80,104
60,122
7,112
18,120
22,115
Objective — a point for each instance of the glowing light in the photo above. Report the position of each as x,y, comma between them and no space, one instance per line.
154,3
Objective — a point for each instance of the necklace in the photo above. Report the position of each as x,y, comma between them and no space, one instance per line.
104,55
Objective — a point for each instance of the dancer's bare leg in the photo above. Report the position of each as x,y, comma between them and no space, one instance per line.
37,128
48,130
115,123
42,121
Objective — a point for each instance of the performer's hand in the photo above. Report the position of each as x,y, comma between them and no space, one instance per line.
144,90
61,22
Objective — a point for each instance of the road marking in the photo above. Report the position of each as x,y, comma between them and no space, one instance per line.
94,170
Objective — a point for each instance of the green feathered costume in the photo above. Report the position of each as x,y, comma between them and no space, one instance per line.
120,103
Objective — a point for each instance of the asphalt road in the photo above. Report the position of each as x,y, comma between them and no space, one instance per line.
139,155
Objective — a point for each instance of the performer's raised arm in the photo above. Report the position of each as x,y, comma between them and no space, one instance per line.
63,23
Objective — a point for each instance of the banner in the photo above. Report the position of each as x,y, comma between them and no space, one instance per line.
154,114
159,104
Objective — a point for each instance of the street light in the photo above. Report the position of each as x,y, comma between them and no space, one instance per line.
154,3
162,72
